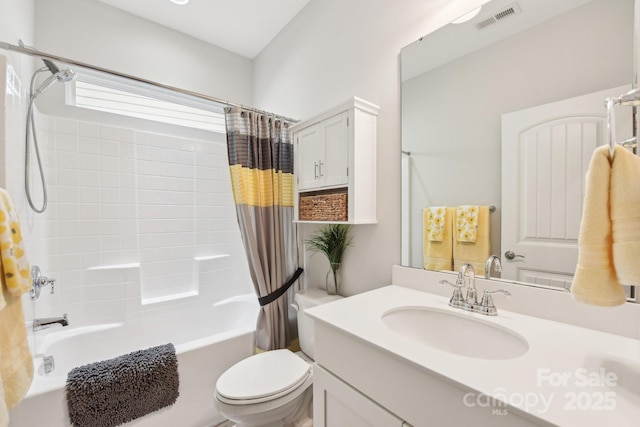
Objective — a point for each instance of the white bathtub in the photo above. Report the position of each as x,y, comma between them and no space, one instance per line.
207,340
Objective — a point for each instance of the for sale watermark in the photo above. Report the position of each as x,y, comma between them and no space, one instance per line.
573,390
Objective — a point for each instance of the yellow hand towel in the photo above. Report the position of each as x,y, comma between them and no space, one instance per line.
438,254
16,365
475,253
625,216
17,274
467,223
595,281
435,222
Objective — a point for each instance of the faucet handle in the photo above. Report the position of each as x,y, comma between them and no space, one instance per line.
486,305
457,300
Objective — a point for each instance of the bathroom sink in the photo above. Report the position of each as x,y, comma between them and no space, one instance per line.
455,333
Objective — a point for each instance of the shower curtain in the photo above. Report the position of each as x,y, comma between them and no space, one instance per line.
261,165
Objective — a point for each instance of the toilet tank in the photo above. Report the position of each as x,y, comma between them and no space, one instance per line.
306,299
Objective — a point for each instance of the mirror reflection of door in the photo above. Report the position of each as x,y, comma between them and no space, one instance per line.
545,155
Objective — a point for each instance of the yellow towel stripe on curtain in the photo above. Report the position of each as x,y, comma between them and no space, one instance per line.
15,266
263,188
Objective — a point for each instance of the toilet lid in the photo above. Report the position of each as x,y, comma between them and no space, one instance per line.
264,375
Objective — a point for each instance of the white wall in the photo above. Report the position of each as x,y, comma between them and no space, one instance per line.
93,32
331,51
16,21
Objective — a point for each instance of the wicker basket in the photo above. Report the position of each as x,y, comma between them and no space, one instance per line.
323,206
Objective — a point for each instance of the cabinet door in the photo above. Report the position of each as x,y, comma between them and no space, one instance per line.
337,404
309,153
335,166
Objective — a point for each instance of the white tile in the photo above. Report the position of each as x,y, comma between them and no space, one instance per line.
126,135
89,227
109,133
67,177
89,178
88,145
66,126
67,143
109,164
90,243
88,129
109,148
110,180
110,227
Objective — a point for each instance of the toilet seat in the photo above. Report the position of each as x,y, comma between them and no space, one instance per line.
263,377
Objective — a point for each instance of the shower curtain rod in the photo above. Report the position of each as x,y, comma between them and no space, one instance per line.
34,52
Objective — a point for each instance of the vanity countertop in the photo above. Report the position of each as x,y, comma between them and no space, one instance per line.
570,376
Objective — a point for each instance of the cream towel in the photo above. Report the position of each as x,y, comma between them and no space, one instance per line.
595,281
475,253
625,216
467,223
16,365
438,255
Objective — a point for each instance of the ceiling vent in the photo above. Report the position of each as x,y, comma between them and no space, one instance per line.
504,13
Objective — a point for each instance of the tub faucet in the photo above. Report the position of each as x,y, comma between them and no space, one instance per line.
471,300
487,267
50,322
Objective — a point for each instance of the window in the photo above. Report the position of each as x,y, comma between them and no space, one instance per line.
137,99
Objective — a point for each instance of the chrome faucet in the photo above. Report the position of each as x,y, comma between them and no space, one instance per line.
487,267
471,300
50,322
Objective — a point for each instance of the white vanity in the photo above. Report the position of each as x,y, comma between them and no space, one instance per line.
400,355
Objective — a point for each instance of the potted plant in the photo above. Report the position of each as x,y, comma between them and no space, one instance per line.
331,240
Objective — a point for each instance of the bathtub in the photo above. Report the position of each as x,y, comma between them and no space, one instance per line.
208,341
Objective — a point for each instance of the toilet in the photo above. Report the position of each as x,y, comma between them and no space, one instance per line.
273,388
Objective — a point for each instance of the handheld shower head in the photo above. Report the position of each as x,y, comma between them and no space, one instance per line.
58,75
66,75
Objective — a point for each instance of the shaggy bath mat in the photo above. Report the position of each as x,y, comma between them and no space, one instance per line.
114,391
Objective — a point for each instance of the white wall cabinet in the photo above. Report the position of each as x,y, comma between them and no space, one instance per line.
324,154
336,152
336,404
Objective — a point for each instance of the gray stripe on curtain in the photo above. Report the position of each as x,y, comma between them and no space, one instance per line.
272,259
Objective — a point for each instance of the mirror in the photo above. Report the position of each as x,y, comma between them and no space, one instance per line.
459,81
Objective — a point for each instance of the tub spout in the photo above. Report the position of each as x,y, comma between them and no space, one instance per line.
49,322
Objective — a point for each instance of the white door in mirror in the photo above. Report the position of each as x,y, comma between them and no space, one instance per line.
545,155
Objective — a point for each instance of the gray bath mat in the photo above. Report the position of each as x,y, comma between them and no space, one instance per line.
114,391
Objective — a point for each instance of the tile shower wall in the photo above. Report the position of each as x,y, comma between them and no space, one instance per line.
136,220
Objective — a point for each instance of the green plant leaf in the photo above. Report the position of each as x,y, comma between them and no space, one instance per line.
331,240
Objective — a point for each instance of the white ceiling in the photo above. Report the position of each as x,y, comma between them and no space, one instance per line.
244,27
